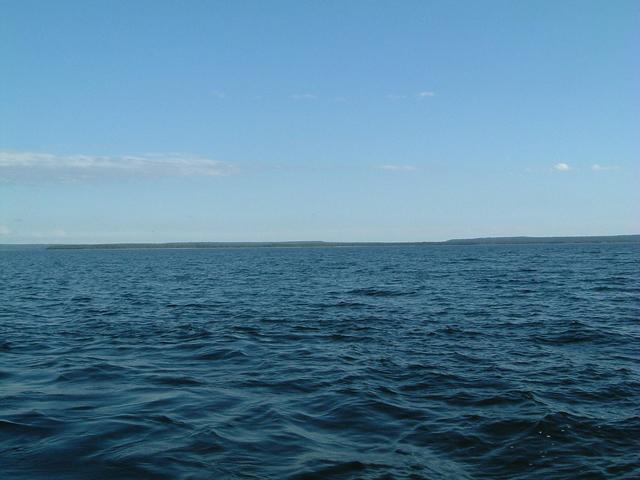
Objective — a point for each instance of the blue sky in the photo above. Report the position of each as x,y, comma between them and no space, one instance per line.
317,120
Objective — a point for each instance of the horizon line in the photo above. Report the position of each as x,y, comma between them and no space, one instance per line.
214,243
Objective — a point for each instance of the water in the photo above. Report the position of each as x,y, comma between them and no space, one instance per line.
514,362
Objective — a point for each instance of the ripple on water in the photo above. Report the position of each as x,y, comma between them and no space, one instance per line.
511,362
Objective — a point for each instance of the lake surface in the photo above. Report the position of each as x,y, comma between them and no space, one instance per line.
437,362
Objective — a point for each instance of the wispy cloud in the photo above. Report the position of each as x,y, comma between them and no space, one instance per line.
600,168
303,96
46,166
420,95
4,230
561,167
55,233
395,96
398,168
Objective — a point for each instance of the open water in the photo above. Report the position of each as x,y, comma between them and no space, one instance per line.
420,362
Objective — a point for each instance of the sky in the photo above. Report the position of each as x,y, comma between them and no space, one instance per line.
154,121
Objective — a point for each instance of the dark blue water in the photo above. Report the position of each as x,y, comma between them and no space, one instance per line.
513,362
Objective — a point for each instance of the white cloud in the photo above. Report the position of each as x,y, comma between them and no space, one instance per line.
398,168
4,230
39,166
50,234
420,95
218,94
561,167
600,168
303,96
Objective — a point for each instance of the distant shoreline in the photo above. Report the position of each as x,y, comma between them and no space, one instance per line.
302,244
